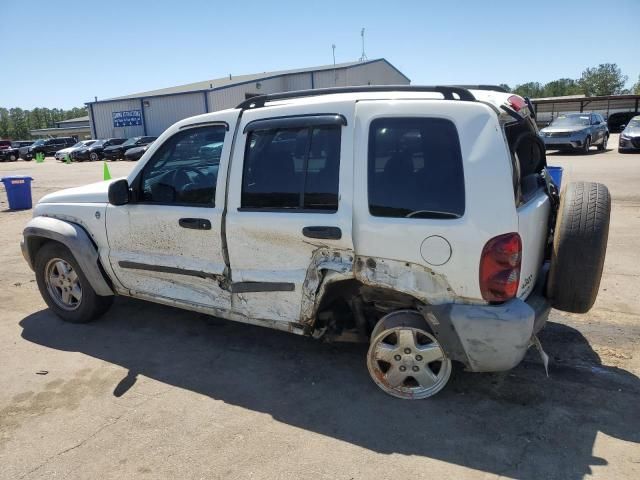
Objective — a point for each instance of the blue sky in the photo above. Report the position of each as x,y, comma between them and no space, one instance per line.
76,50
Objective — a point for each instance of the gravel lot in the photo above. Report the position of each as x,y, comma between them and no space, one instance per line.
154,392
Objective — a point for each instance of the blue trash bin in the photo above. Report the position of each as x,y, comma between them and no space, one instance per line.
556,175
18,189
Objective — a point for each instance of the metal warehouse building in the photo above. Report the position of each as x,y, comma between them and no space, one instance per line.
150,113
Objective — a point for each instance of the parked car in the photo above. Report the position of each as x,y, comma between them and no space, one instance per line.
630,136
617,121
5,144
96,150
136,152
46,146
576,131
12,153
421,220
61,155
116,152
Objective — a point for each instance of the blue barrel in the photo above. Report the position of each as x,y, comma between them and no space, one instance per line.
556,175
18,189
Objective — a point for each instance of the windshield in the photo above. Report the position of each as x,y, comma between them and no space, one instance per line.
79,144
131,141
98,143
571,121
38,142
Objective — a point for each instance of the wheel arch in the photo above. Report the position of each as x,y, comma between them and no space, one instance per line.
41,230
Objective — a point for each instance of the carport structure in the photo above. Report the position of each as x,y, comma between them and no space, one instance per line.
549,108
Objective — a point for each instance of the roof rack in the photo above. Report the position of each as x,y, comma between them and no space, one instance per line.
448,92
495,88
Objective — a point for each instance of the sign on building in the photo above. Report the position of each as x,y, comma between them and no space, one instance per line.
127,118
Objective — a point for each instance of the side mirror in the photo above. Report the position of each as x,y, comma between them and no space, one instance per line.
119,192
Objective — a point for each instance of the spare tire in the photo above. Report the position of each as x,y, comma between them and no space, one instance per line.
579,246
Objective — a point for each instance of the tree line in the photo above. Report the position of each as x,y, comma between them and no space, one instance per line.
605,79
15,123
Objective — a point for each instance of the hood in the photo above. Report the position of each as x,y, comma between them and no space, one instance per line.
67,150
576,128
631,132
92,193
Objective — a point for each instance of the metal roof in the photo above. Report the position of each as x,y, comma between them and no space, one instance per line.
581,98
77,119
230,81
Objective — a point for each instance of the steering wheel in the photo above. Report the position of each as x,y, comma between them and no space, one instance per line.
181,178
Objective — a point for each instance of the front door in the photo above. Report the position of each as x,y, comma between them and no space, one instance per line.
166,244
289,202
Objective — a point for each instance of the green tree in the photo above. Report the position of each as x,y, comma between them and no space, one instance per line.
20,123
531,90
561,87
605,79
636,88
5,123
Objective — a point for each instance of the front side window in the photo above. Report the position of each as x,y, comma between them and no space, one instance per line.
184,170
292,168
415,169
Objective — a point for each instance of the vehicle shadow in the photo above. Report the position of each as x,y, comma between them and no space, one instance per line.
519,424
576,153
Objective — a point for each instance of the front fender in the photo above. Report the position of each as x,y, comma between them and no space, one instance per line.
72,236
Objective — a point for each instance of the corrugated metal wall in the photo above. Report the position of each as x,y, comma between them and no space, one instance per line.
162,112
103,119
231,96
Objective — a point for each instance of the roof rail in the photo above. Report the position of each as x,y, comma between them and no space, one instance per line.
495,88
448,92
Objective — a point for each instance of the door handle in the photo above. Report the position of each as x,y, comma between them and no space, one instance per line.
324,233
195,223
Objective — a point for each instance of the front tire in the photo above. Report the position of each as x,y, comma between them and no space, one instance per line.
94,157
405,359
65,288
586,146
603,146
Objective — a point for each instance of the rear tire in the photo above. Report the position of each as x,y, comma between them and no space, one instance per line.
405,359
579,246
65,288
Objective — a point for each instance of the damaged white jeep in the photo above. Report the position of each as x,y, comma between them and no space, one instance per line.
419,219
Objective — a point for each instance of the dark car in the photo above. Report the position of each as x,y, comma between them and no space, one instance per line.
12,153
48,147
136,152
95,151
116,152
5,144
630,136
617,121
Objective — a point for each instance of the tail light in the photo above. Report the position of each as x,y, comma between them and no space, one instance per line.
517,102
500,267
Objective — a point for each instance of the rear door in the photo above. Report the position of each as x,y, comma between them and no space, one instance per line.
289,202
167,243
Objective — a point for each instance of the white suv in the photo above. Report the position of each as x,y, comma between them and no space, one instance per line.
419,219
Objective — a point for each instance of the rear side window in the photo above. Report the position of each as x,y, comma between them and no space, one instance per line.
292,168
415,169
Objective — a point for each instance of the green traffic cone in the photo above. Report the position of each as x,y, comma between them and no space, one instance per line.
67,159
106,174
39,157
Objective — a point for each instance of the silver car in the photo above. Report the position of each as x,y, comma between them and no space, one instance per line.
630,136
576,131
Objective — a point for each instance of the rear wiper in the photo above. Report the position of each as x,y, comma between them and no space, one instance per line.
431,214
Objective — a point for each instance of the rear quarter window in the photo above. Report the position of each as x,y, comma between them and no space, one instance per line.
415,169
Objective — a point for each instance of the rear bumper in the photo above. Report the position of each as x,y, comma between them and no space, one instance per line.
489,338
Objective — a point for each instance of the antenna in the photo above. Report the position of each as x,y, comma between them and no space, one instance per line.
364,55
335,74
